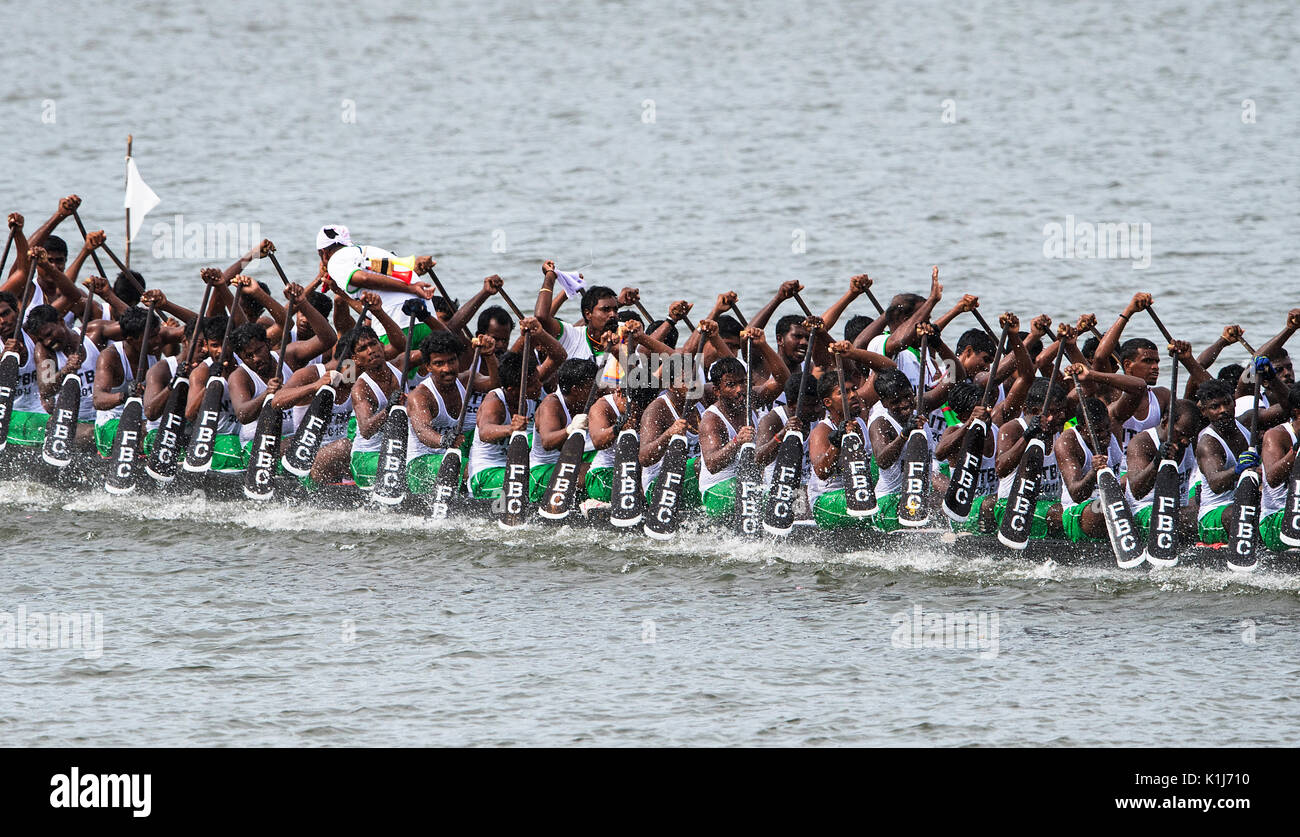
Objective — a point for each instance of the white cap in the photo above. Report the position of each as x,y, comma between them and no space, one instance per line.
332,234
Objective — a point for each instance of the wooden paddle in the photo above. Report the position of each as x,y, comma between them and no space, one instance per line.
787,471
437,283
1243,542
11,362
61,430
514,488
1018,519
265,451
749,476
123,471
1162,537
960,497
447,482
855,463
915,459
390,475
164,458
1114,508
562,488
198,456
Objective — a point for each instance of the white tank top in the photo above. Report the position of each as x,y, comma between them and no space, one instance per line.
1049,482
376,442
27,395
708,478
1068,500
649,472
1185,469
1211,499
128,378
172,362
86,372
337,426
1274,496
483,454
1134,426
248,431
226,423
891,478
443,422
605,456
818,486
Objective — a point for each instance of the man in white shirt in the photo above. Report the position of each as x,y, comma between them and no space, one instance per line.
357,268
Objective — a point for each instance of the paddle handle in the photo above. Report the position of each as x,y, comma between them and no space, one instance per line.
1003,341
126,271
469,391
437,283
406,358
230,327
872,297
803,305
523,372
276,264
979,318
1173,398
1169,338
502,293
739,316
93,255
194,335
9,242
1246,346
144,350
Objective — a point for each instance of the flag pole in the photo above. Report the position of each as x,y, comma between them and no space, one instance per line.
128,209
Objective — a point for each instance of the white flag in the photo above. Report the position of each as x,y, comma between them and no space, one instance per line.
139,197
572,283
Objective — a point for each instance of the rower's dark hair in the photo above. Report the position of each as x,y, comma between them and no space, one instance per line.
1097,414
670,336
627,315
855,325
728,326
1231,373
906,305
642,396
441,343
1293,398
509,368
576,372
41,315
214,326
786,323
443,307
55,246
893,384
725,366
1129,349
978,340
126,291
1090,347
133,321
1278,353
1212,389
9,299
1038,390
792,385
828,386
963,397
347,343
493,314
246,333
252,307
1182,407
321,302
593,295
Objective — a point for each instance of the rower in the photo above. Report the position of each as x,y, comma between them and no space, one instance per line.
1278,454
599,314
29,418
432,408
826,480
312,335
115,373
377,387
723,431
676,411
260,371
497,421
227,450
560,415
1146,451
770,431
888,426
56,347
1081,458
1276,378
496,325
158,383
357,268
1222,453
1014,437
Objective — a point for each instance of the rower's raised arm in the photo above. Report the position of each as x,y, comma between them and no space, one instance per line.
1231,334
788,289
67,206
905,335
322,340
1111,339
542,310
491,286
1274,344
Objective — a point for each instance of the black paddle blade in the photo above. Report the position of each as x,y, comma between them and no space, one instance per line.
300,453
1019,516
563,486
627,500
749,492
786,477
390,476
62,428
960,498
1162,540
445,485
259,479
165,456
916,480
8,389
514,491
198,456
665,503
859,494
123,465
1243,542
1119,521
1290,532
